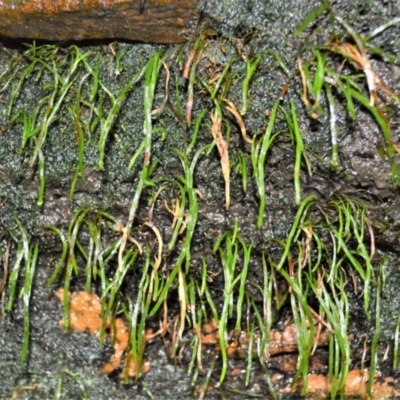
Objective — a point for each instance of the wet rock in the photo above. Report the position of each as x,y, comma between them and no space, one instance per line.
162,21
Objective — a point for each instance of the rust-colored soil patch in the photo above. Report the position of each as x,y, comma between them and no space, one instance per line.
282,354
85,316
319,387
280,341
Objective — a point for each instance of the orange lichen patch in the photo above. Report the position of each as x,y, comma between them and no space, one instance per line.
238,342
277,378
286,341
356,383
282,353
237,372
85,316
209,333
120,335
356,386
319,387
283,341
287,362
84,311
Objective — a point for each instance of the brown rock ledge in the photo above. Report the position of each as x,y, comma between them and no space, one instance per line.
155,21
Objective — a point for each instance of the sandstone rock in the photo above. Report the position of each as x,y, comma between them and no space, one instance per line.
156,21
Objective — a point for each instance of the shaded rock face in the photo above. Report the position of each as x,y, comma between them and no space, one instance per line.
165,21
52,352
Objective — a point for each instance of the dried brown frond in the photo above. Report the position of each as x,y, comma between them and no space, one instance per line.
222,146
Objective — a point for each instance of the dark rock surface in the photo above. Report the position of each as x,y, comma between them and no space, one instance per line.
65,364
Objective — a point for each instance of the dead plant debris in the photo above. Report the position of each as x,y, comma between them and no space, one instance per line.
222,146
